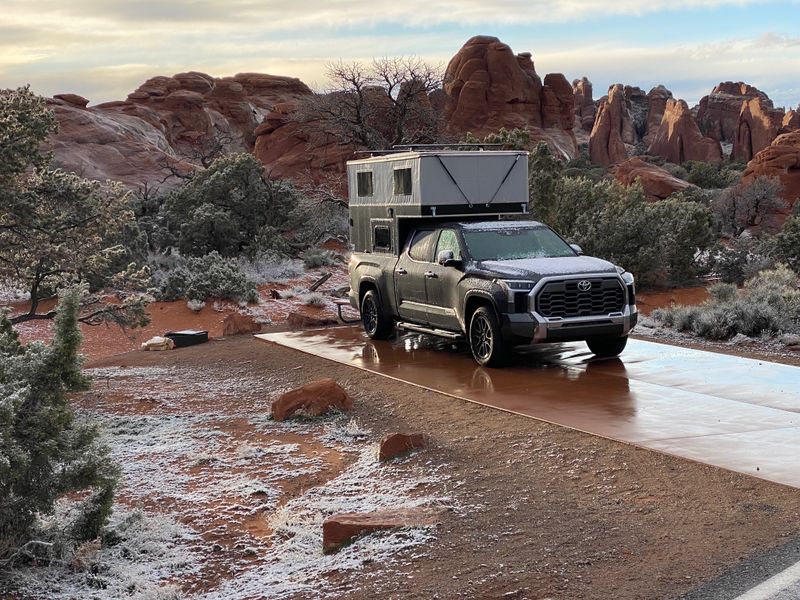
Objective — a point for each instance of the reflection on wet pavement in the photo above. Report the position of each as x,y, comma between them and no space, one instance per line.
731,412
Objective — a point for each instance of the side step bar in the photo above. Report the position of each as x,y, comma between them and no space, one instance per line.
450,335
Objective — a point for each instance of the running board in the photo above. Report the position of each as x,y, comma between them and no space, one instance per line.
450,335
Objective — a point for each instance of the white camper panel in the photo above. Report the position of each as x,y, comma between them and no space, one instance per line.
442,178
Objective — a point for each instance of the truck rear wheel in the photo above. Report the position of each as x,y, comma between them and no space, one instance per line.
376,325
607,347
485,340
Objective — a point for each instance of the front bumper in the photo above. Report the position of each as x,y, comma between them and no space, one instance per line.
532,327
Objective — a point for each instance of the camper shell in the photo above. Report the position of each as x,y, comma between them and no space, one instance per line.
389,193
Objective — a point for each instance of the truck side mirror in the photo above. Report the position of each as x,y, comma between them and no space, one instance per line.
578,249
446,258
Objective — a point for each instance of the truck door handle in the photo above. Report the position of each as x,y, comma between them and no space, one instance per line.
400,271
431,275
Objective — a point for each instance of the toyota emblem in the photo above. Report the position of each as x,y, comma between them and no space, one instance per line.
584,285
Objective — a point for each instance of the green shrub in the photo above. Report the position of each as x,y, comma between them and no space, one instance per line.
710,175
316,257
768,305
202,277
44,453
786,244
740,259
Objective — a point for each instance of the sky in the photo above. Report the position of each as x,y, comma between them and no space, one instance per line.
103,49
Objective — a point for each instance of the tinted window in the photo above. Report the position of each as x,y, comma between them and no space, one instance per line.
421,246
510,244
448,241
382,238
364,183
402,182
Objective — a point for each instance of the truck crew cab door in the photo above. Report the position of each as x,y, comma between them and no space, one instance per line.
442,283
409,276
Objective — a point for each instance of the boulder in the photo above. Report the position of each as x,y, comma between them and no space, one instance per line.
397,444
315,398
613,129
342,529
780,159
657,183
757,126
73,99
718,113
678,138
488,87
237,324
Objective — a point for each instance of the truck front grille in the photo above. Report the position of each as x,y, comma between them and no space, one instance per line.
573,298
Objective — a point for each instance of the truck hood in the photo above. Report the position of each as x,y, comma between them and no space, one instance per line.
536,268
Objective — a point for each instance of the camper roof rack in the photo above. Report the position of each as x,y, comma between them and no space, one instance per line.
417,147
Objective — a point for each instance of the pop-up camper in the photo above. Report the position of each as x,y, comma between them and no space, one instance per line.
391,189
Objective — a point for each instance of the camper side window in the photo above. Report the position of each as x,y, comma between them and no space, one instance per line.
402,182
381,238
364,183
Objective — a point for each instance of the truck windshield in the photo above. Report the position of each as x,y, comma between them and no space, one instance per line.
511,244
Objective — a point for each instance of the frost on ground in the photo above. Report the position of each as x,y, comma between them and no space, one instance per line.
295,564
237,499
140,554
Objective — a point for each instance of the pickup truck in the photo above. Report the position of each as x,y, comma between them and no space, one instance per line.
495,284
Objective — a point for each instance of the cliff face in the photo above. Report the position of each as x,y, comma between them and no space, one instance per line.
679,139
489,87
168,123
780,159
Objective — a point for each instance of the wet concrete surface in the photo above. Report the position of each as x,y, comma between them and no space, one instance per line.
731,412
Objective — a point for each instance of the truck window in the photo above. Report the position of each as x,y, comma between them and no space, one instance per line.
402,182
421,246
381,238
364,183
448,241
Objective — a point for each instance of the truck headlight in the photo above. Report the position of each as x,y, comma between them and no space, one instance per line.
516,285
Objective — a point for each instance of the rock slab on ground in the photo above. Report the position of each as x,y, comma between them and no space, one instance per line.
398,444
236,324
342,529
657,183
315,398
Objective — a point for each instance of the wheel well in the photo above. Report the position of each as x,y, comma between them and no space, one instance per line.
363,288
473,304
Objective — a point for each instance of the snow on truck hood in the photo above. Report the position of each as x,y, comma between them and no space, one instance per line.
535,268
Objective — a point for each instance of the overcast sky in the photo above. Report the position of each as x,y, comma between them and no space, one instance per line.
103,49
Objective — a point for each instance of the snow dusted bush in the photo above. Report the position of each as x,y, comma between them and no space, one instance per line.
768,305
44,453
195,305
269,267
316,257
314,299
203,277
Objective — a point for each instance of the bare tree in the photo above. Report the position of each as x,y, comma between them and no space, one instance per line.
743,206
374,106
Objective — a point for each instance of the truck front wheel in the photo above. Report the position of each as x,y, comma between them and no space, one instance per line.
607,347
376,324
485,340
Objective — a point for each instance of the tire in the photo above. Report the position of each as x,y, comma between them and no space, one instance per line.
376,324
607,347
485,340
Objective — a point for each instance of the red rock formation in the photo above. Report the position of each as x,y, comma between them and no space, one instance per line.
791,121
780,159
585,109
613,129
656,105
397,444
316,398
488,87
678,138
167,120
657,183
757,126
340,530
718,113
289,148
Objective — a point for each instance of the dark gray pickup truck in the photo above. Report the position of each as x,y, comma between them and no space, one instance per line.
495,284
